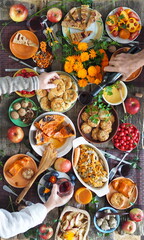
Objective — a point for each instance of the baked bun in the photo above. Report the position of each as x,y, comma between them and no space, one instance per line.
27,173
117,200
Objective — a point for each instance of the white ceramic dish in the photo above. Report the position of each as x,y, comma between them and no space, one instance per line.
96,28
72,209
118,39
99,191
64,149
42,182
122,100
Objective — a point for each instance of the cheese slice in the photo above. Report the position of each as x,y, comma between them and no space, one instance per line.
79,36
23,40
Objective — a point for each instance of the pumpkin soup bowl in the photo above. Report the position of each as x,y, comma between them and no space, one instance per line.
135,74
81,142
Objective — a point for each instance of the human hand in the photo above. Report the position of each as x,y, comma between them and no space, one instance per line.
45,80
124,63
55,200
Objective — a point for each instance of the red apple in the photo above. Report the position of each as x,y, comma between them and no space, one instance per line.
129,227
62,165
132,105
45,232
15,134
54,15
18,12
136,214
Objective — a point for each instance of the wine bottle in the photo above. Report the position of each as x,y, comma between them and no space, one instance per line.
108,79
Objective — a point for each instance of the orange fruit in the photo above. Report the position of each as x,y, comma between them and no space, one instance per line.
83,195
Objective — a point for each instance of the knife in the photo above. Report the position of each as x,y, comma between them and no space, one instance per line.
111,156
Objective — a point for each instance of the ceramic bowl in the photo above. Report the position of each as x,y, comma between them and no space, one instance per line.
101,191
111,229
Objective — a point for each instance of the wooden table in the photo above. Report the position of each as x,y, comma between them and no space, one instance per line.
10,149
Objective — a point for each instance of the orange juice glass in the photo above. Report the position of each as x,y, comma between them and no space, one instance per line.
83,195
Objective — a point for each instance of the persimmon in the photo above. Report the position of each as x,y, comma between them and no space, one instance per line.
124,33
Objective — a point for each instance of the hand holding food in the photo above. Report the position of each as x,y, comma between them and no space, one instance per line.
55,200
46,79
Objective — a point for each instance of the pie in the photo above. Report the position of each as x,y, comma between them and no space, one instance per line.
94,15
74,13
23,40
73,24
84,13
79,36
15,167
41,138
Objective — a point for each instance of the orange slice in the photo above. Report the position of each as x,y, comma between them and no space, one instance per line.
83,195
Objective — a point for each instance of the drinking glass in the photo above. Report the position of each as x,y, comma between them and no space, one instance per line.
35,24
65,187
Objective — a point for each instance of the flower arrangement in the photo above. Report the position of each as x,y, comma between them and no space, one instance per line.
86,64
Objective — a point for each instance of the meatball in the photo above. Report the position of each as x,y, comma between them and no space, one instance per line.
84,116
105,124
14,115
22,112
104,114
93,110
24,104
94,133
102,135
112,118
86,128
16,106
93,121
108,130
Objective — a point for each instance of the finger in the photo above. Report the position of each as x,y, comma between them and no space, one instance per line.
111,69
51,85
54,75
114,63
54,189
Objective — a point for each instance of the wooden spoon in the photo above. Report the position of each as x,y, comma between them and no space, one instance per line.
47,160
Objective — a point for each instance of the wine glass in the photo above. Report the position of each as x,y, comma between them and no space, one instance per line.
65,187
36,23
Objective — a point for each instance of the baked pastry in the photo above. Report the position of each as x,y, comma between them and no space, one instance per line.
79,36
124,186
117,200
41,138
15,167
94,15
23,40
27,173
74,13
73,24
84,13
64,132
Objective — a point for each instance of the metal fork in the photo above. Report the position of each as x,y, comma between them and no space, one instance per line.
8,189
114,169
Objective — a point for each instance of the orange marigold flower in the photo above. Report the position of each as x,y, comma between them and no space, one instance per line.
92,53
82,46
91,79
104,64
84,56
99,76
82,73
71,59
102,51
98,68
92,71
97,81
82,83
77,66
68,67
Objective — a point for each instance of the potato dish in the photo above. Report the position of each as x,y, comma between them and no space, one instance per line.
97,122
73,225
90,166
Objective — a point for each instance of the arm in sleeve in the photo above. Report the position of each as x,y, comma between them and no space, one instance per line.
12,84
14,223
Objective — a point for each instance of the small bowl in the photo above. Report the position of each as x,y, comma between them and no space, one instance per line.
120,100
112,229
88,136
135,74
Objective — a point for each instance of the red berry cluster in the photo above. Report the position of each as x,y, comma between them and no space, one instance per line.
25,74
127,137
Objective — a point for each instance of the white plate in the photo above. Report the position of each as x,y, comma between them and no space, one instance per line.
96,28
99,191
42,182
64,149
118,39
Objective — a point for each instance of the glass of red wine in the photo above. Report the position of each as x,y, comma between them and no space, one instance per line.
35,23
65,187
124,170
